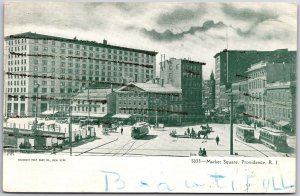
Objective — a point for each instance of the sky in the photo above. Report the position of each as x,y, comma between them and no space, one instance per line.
181,30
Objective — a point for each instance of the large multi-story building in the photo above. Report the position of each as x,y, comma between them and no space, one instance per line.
280,95
208,93
238,62
257,79
281,105
185,75
48,66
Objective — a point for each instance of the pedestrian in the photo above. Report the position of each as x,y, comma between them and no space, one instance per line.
193,133
217,140
200,152
122,130
204,152
188,131
199,134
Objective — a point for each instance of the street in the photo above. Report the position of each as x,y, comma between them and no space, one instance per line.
160,143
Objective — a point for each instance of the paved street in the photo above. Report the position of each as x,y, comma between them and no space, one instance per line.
159,143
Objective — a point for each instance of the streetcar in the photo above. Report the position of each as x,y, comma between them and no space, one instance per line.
139,130
245,133
273,138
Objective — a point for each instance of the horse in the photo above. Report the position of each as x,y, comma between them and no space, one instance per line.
205,133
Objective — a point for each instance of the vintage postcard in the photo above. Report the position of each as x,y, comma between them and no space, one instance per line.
149,97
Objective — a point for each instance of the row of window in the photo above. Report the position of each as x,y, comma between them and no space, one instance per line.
16,41
90,48
257,83
16,90
17,62
16,83
16,69
86,109
279,95
279,112
78,71
16,49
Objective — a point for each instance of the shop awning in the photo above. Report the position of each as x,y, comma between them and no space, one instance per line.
121,116
283,123
49,112
85,114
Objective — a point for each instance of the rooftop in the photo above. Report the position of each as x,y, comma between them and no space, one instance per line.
94,94
248,51
152,88
257,66
30,35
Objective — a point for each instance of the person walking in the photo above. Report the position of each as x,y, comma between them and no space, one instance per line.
188,131
217,140
122,130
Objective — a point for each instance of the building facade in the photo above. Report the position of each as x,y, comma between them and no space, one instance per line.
152,102
240,99
91,103
257,80
47,66
281,106
238,62
186,75
208,93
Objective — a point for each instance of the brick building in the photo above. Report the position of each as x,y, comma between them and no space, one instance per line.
152,102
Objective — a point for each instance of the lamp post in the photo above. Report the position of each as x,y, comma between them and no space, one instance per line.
36,101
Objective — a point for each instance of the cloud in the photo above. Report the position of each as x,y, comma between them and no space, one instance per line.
247,14
179,15
169,36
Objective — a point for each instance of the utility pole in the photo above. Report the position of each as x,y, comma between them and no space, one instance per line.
231,123
36,102
70,124
89,113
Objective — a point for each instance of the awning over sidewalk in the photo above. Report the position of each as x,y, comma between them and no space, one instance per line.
85,114
49,112
283,123
124,116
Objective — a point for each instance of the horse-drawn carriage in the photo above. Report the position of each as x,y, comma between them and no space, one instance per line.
205,131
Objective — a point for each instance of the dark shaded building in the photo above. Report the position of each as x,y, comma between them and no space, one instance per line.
280,95
238,63
208,93
185,75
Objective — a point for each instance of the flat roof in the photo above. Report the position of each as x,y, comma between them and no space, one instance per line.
30,35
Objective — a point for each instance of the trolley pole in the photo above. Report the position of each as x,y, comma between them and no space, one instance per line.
231,123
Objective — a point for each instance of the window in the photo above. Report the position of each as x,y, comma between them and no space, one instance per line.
44,90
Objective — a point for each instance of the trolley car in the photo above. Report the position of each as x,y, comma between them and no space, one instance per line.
273,138
245,133
139,130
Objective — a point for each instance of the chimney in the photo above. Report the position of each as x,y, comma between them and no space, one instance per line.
105,42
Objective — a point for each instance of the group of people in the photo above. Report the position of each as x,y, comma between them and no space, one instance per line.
202,152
